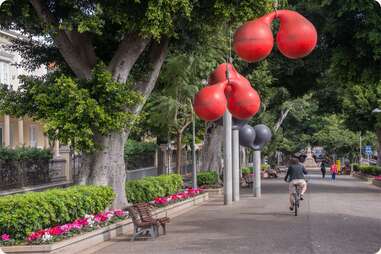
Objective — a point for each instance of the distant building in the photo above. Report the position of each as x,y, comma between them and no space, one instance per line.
21,132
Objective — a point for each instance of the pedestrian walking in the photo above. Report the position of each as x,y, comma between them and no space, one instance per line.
323,169
333,171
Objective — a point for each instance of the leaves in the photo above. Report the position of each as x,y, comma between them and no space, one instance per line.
74,110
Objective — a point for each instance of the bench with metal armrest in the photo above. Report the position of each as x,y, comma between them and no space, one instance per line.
144,210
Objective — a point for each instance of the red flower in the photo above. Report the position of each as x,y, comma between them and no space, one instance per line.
55,231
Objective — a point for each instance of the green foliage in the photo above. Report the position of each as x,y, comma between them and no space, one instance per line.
135,147
356,167
247,170
207,178
369,170
136,153
24,153
151,187
86,108
22,214
335,137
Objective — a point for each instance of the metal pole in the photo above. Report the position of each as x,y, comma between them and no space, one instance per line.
228,158
235,165
257,163
194,169
360,157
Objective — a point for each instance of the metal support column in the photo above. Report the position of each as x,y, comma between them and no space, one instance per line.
236,165
228,199
257,166
194,169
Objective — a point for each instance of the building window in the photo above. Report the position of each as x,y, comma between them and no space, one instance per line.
33,136
5,73
11,135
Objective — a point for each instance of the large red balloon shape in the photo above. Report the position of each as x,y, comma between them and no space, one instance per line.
219,74
297,36
244,101
210,102
253,41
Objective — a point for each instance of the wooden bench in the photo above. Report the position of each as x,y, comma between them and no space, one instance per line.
142,227
144,210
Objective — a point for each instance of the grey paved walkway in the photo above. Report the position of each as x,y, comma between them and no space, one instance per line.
341,217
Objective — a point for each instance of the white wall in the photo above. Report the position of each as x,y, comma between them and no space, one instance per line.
8,72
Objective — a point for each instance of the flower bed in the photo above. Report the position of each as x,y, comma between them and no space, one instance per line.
181,196
90,222
57,233
86,240
377,178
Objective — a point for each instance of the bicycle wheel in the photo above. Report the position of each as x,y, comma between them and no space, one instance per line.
296,205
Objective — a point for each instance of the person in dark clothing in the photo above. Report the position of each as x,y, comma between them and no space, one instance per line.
295,176
323,169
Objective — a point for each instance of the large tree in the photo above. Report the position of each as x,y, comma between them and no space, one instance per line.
108,56
350,40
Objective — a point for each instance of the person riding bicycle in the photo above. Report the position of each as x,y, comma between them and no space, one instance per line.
295,176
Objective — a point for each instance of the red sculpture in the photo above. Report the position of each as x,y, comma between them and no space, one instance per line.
254,40
219,74
210,102
244,101
296,37
237,93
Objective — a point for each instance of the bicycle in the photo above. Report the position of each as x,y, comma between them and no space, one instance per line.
296,196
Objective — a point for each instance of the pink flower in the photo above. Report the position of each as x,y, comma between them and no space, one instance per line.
36,235
5,237
161,201
119,213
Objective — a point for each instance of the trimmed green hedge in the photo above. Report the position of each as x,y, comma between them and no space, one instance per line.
367,169
133,147
151,187
207,178
22,214
370,170
24,153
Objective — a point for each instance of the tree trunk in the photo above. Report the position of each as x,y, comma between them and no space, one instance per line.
378,134
179,149
106,167
212,156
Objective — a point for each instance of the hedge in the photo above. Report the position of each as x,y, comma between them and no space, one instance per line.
133,147
22,214
24,153
367,169
207,178
151,187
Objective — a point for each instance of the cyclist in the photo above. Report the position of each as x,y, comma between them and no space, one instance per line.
295,176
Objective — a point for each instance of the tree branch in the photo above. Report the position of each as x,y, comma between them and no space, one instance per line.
281,119
128,52
75,48
146,85
185,126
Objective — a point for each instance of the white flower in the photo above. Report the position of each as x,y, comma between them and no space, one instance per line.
46,237
88,216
